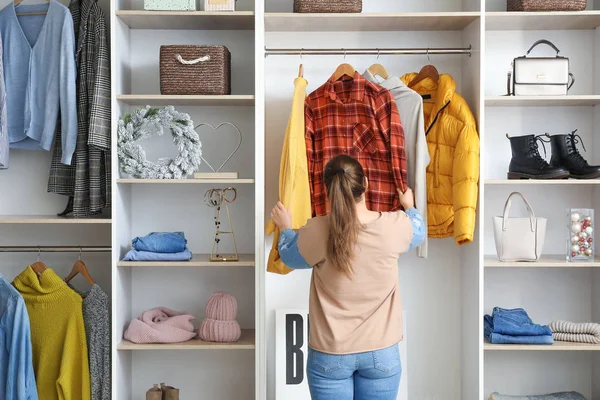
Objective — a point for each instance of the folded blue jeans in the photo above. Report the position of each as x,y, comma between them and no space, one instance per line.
134,255
374,375
160,242
497,338
516,322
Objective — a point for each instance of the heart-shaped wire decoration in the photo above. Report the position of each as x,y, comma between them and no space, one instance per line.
216,129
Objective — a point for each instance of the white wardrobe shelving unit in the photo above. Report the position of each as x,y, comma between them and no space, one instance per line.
550,289
199,369
443,347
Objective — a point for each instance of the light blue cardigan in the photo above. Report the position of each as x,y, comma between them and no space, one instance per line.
16,365
40,73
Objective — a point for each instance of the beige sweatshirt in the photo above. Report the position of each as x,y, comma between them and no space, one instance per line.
363,313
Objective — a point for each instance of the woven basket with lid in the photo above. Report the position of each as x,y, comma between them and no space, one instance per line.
546,5
327,6
195,70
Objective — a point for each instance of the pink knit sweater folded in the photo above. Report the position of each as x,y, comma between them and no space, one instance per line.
161,325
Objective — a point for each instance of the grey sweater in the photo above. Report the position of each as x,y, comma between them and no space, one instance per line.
96,316
410,107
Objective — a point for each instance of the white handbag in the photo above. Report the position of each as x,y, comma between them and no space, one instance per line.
519,239
541,76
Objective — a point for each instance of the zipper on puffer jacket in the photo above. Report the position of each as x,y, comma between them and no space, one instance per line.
436,117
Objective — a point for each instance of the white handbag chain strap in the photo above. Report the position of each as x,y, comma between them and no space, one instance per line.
507,209
192,62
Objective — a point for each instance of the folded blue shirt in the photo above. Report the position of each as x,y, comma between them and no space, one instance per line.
160,242
135,255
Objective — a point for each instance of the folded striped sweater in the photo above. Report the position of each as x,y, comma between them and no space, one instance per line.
585,332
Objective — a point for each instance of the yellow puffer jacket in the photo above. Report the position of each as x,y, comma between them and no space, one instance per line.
453,174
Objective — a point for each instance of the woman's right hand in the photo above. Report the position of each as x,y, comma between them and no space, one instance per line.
407,199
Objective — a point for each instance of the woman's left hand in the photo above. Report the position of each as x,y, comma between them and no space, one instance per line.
281,216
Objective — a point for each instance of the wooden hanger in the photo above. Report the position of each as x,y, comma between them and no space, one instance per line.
301,71
344,69
378,69
80,268
17,2
38,267
428,71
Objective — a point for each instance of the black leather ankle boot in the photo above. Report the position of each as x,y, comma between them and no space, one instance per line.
527,163
566,154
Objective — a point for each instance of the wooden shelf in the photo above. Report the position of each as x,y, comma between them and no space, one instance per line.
246,342
557,346
196,101
183,181
50,219
539,21
296,22
198,260
187,20
547,261
542,101
547,182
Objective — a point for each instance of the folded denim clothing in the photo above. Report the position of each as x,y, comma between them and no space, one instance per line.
516,322
134,255
551,396
585,332
498,338
160,242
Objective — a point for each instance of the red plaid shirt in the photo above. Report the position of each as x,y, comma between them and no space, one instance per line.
359,118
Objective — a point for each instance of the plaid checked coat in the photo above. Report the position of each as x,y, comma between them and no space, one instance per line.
88,179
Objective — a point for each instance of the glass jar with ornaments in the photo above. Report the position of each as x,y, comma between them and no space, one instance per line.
580,242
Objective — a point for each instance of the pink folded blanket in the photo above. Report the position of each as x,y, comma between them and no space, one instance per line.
161,325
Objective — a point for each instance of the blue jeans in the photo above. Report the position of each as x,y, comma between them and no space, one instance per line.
374,375
516,322
160,242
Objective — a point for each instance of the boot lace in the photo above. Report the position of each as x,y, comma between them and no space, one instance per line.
574,141
534,148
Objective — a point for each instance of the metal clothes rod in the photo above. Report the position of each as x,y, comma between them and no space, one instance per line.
368,51
54,249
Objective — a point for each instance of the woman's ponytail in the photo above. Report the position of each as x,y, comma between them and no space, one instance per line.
344,179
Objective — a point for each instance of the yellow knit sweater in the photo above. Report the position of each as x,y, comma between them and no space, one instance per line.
60,355
294,191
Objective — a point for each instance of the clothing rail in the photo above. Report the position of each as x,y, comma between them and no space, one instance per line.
55,249
368,51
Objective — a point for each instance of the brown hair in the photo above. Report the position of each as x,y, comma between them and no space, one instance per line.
345,182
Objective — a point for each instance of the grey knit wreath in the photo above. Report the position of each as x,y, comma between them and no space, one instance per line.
143,123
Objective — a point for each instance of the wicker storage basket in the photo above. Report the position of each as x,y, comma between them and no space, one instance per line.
219,5
546,5
195,70
327,6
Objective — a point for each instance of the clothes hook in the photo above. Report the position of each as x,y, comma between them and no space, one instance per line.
344,54
301,50
378,54
428,59
39,252
80,251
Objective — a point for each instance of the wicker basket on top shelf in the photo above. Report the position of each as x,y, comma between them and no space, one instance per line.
546,5
327,6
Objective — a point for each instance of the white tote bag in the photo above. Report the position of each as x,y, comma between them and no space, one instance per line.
519,239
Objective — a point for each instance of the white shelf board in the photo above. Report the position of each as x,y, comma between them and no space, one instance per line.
542,101
540,21
557,346
547,182
182,181
187,20
246,342
546,261
349,22
164,100
50,219
198,260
